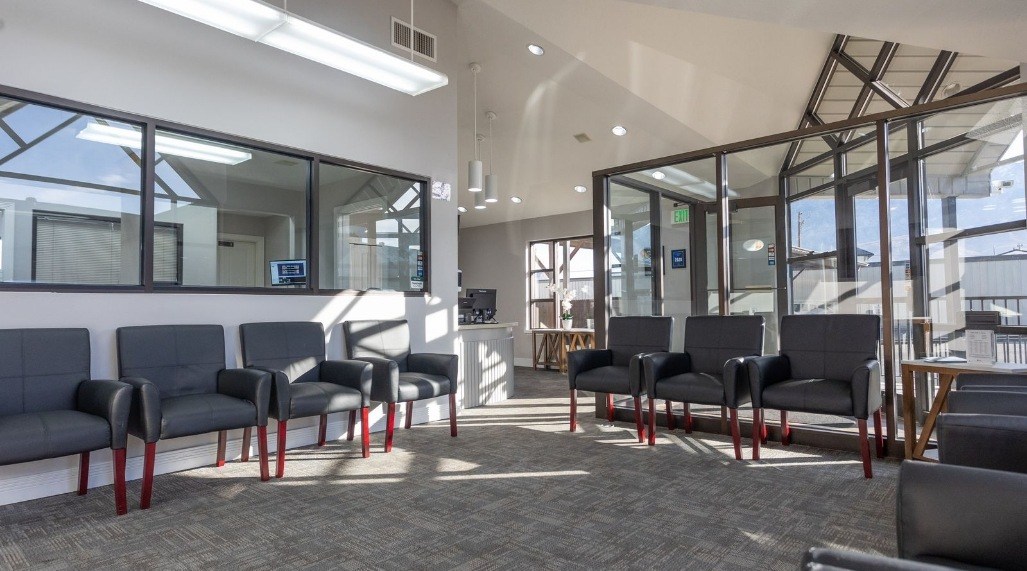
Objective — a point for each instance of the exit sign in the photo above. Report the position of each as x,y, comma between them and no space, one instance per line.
681,216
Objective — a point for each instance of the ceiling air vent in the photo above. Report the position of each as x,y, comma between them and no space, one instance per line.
582,137
423,42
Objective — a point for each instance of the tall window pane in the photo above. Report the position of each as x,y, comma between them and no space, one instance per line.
70,195
370,231
236,215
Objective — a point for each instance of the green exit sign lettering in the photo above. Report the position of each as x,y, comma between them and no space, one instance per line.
681,216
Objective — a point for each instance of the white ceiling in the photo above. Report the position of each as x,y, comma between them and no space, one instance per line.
678,74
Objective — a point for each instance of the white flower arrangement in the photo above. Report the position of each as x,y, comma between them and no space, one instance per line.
566,297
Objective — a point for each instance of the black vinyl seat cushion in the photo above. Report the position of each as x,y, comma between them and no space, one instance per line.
821,396
699,388
201,413
317,398
417,386
608,379
51,434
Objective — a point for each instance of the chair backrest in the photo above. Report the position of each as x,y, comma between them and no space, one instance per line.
711,340
40,369
295,347
386,339
627,336
179,359
829,346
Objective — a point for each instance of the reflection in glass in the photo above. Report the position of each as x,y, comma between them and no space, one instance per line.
631,270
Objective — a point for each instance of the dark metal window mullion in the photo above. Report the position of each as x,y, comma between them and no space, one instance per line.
146,239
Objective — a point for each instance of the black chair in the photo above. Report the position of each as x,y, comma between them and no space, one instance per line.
948,517
50,408
618,368
182,388
398,374
986,422
305,383
827,365
711,370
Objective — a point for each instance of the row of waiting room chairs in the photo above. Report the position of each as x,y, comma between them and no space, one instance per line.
827,365
173,382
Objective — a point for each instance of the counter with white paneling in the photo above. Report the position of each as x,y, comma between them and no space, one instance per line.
486,363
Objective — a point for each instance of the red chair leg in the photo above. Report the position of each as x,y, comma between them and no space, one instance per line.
786,431
452,414
763,427
352,422
757,432
222,444
652,422
574,410
736,437
120,502
83,473
878,434
322,430
670,415
639,424
688,419
149,459
265,474
390,426
247,436
609,407
409,415
283,432
864,448
365,433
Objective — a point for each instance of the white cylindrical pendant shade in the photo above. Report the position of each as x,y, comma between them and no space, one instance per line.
474,176
479,201
491,188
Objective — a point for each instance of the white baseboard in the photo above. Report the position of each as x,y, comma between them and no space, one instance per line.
522,362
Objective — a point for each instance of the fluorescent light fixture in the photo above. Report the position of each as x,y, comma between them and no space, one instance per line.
580,188
516,199
461,209
261,22
658,175
619,131
535,49
179,146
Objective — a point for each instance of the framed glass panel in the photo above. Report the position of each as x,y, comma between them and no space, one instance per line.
814,285
813,225
631,270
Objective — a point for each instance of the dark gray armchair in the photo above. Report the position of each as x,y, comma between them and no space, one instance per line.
182,388
49,408
618,368
399,375
711,369
948,517
986,422
305,383
827,365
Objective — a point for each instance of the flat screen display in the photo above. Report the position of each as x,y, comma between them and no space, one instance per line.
288,272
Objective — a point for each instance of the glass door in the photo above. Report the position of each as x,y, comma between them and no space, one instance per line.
754,259
631,274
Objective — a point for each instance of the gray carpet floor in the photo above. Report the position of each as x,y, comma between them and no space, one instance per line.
515,490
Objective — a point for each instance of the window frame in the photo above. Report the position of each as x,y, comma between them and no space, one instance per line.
551,300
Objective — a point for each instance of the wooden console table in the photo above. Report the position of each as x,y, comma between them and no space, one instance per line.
549,347
916,446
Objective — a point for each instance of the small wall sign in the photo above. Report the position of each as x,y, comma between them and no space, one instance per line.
678,259
771,255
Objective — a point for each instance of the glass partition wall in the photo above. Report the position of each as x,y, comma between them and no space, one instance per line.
798,223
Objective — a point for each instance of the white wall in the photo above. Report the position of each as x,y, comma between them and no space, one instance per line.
495,256
126,55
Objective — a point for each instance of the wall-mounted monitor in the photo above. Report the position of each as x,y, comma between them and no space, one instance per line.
288,272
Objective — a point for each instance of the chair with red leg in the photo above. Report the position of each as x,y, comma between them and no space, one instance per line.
711,369
181,388
305,383
827,365
617,370
398,375
50,408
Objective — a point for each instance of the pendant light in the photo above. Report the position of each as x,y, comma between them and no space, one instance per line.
474,167
491,180
479,201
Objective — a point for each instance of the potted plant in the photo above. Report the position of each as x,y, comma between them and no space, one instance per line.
566,297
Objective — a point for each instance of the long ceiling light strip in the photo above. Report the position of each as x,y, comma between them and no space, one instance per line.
261,22
165,144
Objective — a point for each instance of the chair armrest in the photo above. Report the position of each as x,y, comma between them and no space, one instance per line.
823,559
737,389
974,400
990,441
384,378
435,364
248,384
866,388
765,371
966,515
657,366
964,380
585,360
353,374
144,417
280,401
111,400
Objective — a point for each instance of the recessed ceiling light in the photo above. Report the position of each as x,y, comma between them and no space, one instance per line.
516,199
619,131
580,188
461,209
535,49
658,175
